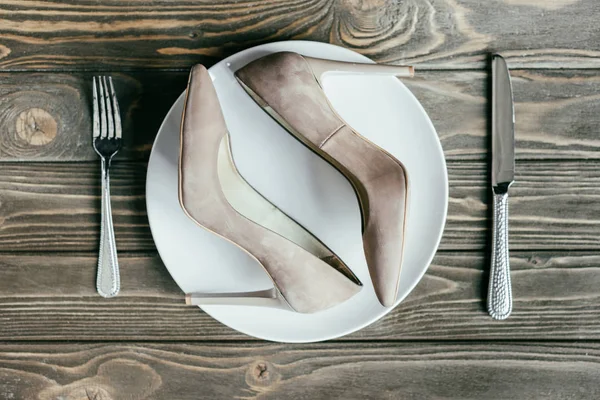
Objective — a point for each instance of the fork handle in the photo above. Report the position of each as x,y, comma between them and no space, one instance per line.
500,292
108,281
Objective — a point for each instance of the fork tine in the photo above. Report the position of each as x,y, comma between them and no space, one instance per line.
95,116
109,112
102,109
117,112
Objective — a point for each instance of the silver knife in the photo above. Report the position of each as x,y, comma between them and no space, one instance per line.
499,302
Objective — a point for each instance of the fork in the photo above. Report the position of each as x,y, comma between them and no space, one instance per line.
107,142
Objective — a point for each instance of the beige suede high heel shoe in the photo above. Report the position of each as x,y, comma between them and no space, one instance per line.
288,87
307,276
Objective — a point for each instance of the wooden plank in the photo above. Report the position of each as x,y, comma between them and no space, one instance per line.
46,117
322,371
556,112
76,34
55,206
53,298
552,206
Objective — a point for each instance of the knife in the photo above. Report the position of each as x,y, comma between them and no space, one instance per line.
499,302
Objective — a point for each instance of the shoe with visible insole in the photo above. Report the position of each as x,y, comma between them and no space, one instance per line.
307,276
288,87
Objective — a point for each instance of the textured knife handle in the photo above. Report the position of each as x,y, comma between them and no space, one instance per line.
500,292
108,281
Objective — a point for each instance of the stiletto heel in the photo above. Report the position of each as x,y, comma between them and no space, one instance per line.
320,67
307,276
288,87
263,298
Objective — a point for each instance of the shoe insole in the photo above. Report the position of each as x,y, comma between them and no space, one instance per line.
252,205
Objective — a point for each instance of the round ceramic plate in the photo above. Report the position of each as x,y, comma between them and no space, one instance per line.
305,187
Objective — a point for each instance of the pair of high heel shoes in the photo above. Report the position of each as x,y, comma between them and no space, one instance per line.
307,276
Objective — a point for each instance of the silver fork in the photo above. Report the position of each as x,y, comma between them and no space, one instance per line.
107,142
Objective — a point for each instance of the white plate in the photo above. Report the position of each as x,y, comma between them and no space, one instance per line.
305,187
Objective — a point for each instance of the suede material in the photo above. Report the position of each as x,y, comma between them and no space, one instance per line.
286,85
307,283
382,184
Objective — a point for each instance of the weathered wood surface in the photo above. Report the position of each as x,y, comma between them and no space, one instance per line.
329,371
49,204
76,34
55,206
46,117
556,112
53,298
552,206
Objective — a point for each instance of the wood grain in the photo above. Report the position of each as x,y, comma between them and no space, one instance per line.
552,205
46,117
52,320
76,34
556,112
55,206
333,371
53,298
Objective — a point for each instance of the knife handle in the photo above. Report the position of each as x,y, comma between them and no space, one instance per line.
499,301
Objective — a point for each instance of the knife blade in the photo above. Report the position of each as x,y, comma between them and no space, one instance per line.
503,127
499,301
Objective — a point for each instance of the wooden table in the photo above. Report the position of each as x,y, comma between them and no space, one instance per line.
60,340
